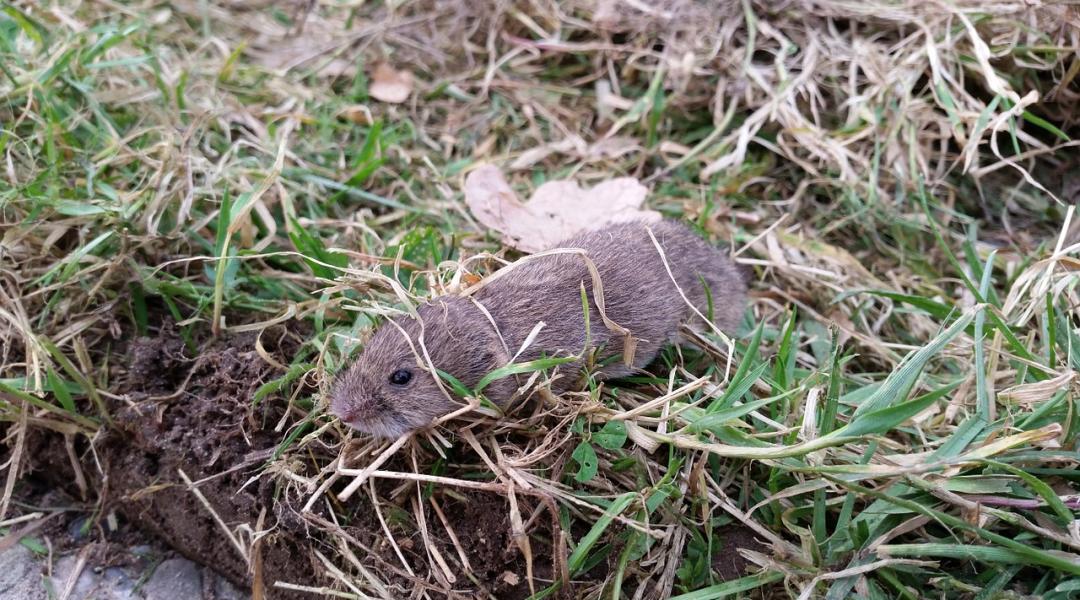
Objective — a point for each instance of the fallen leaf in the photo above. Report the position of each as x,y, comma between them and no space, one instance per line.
390,85
357,113
556,211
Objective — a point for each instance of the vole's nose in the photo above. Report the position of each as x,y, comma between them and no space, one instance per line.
345,414
353,412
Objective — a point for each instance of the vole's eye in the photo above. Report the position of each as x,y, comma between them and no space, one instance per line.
401,377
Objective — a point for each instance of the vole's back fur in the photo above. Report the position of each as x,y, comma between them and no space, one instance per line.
390,389
638,294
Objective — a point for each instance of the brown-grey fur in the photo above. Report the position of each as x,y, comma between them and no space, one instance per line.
638,295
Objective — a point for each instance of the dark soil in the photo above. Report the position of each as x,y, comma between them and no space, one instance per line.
72,525
728,563
482,524
196,415
210,430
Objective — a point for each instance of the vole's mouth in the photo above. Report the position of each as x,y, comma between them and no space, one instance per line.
386,426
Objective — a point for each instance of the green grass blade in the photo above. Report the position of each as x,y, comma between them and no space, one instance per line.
900,381
581,552
524,367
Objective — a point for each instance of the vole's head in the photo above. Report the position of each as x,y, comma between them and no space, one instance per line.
390,389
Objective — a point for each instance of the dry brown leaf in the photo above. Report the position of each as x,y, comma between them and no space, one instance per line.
390,85
556,211
357,113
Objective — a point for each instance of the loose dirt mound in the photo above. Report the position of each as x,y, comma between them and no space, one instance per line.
195,415
208,429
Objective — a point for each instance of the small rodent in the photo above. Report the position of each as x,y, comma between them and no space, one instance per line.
389,390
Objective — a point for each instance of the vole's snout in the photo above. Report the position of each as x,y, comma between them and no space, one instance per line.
359,415
363,412
346,402
351,414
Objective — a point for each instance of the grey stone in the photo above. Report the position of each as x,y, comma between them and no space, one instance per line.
119,582
64,569
225,590
143,551
111,584
20,575
174,579
21,578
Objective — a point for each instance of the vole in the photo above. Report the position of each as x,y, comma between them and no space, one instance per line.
389,389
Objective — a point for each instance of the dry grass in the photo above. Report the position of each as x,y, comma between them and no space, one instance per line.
901,416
